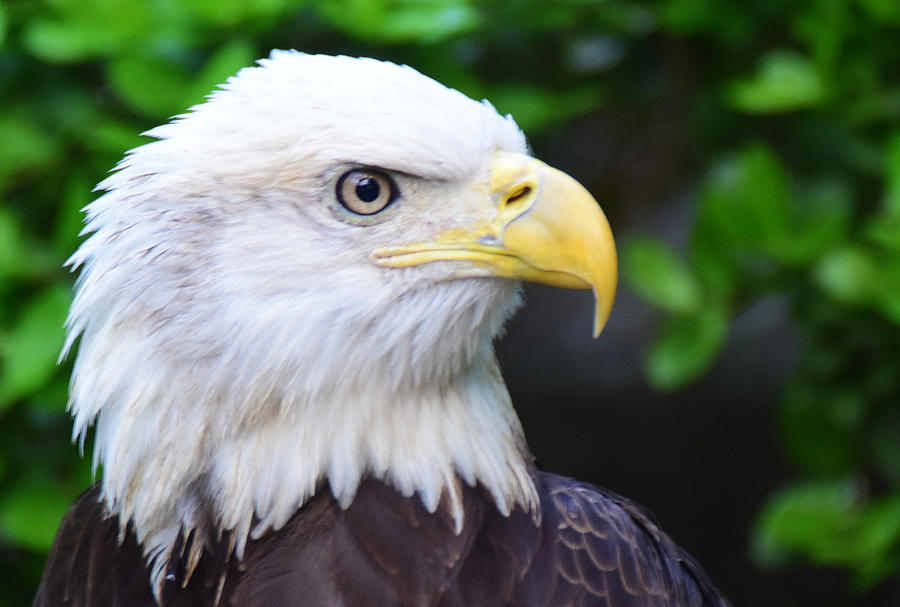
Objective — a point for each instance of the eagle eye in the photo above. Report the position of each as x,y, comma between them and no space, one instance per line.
365,191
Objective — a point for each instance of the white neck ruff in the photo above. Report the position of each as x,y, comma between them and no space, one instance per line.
251,439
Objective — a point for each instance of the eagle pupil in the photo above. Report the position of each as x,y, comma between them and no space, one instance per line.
368,189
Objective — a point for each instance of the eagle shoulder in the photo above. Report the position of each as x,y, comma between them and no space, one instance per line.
92,563
588,547
88,565
608,551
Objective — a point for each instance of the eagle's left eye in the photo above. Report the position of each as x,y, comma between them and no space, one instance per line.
366,191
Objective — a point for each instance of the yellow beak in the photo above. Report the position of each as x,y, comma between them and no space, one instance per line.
547,228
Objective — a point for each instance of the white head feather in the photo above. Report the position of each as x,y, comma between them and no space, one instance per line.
239,347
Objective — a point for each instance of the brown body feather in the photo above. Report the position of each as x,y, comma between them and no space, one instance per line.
591,547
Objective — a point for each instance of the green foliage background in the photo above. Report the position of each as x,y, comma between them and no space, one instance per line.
795,181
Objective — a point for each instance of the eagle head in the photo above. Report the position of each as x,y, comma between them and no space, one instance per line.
296,285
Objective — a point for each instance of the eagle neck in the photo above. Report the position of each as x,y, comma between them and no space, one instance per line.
422,441
235,432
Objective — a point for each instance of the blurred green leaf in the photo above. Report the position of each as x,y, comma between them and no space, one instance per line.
78,30
887,11
887,294
705,17
535,109
224,63
24,146
239,12
30,511
746,203
884,231
880,527
716,271
114,137
870,572
785,81
395,21
70,219
815,520
151,85
67,112
685,16
685,348
818,428
848,274
822,26
892,176
657,274
13,249
829,523
864,277
33,344
878,533
3,22
52,397
821,223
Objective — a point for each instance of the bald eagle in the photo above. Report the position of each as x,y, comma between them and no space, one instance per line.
286,309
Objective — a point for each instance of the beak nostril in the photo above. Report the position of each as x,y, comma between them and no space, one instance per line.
518,194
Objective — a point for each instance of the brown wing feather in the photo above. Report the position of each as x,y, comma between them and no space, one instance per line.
385,549
609,552
591,547
85,558
89,565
